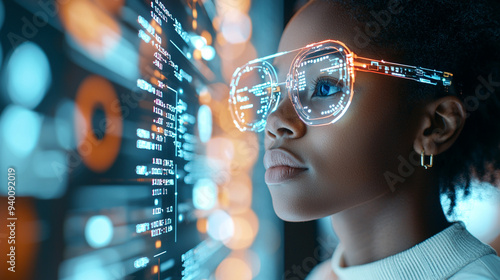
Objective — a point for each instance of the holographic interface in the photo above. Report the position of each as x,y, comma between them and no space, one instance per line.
320,83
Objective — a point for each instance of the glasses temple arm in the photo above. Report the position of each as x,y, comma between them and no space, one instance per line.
419,74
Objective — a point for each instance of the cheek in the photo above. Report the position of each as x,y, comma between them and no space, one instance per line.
348,159
351,157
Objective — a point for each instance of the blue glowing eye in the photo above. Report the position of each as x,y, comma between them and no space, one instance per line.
325,87
324,90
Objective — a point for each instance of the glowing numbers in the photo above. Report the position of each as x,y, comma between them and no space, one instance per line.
141,262
145,37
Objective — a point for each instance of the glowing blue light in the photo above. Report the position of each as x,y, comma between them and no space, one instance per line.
156,201
181,217
141,262
20,129
236,27
198,41
189,55
220,225
478,211
208,52
145,37
180,91
204,194
204,123
64,124
29,75
98,231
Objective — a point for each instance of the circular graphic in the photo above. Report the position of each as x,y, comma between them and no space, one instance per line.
99,231
98,152
28,60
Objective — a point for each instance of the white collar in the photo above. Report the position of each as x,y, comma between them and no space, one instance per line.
438,257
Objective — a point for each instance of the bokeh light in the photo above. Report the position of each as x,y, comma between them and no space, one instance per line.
208,37
251,258
221,149
112,6
198,41
202,225
239,192
64,120
246,152
228,6
240,53
204,123
246,226
233,268
205,194
98,231
236,27
208,53
20,129
220,225
91,25
28,75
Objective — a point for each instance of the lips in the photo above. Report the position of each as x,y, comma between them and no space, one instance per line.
281,166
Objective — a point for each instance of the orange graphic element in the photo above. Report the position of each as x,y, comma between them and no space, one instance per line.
246,226
233,268
205,34
156,26
112,6
91,24
98,154
24,234
158,244
202,225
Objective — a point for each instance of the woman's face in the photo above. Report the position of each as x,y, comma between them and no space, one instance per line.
341,165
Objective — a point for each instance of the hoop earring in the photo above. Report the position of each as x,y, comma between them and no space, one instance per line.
422,160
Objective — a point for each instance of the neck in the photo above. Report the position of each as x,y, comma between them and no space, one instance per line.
389,224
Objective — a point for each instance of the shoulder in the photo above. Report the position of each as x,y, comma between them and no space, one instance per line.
322,271
486,267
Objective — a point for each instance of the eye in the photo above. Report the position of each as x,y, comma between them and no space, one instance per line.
326,86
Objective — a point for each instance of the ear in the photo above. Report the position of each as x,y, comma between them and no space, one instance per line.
441,123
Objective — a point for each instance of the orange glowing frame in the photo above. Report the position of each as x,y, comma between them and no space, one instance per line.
255,90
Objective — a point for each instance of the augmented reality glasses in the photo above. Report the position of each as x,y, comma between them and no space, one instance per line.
320,84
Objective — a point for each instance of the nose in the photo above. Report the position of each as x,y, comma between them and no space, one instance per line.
284,122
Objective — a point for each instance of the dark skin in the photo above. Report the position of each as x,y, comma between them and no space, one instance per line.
346,161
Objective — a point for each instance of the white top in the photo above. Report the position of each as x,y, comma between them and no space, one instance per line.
451,254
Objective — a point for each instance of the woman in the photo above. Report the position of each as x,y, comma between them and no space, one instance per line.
362,167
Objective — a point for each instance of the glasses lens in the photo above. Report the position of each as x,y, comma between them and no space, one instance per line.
253,95
322,89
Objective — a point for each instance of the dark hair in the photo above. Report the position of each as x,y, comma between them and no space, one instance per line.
461,37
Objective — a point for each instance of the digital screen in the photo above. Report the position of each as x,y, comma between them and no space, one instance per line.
118,144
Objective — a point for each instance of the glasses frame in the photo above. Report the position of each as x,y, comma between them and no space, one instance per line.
354,63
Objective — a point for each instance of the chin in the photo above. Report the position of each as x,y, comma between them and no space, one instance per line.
292,213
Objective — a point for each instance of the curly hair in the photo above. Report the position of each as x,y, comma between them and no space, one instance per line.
461,37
